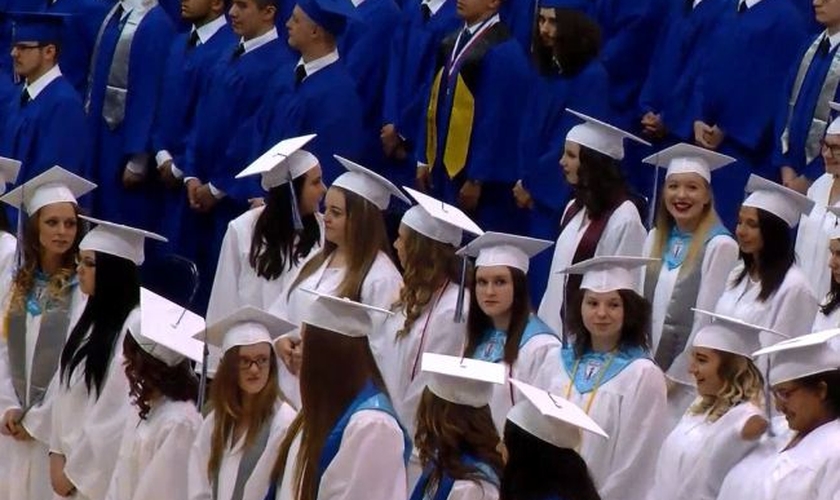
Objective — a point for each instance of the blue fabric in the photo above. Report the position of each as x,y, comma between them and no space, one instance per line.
81,28
591,363
446,482
491,348
520,16
676,248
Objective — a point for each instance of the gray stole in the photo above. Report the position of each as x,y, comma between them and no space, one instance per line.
822,112
250,456
55,320
679,319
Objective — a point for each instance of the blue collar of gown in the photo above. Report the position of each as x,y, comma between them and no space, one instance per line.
591,363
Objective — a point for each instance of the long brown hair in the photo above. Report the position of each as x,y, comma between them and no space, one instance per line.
428,264
634,330
333,371
227,401
446,431
365,237
742,382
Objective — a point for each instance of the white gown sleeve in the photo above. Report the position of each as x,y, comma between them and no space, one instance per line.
8,396
224,297
626,236
382,284
369,463
198,483
471,490
795,301
162,478
533,357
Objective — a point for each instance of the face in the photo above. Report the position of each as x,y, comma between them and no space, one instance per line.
704,367
827,12
86,272
834,259
29,59
570,162
686,195
248,20
254,367
803,407
399,244
603,316
831,149
494,290
748,232
299,28
472,11
335,216
57,226
547,26
195,10
312,192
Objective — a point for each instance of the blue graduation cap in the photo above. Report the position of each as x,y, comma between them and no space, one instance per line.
332,15
37,27
584,6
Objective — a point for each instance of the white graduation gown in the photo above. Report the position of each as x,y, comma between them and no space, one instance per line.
199,486
631,408
624,234
697,454
27,462
152,452
463,489
812,237
368,464
87,430
8,247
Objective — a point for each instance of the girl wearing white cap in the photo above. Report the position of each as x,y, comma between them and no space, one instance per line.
45,301
695,254
456,438
607,372
600,220
232,456
501,326
766,287
805,377
92,402
163,389
725,421
346,442
828,315
264,248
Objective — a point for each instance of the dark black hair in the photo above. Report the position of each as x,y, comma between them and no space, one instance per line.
578,40
536,470
634,330
832,381
274,248
833,297
775,257
600,182
117,292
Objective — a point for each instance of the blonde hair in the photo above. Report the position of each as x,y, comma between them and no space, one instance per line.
742,383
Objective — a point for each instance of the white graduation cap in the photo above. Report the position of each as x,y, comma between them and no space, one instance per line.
166,330
502,249
367,184
56,185
609,272
438,220
551,418
282,163
245,326
117,239
802,356
834,126
732,335
462,381
600,136
9,170
687,158
783,202
341,315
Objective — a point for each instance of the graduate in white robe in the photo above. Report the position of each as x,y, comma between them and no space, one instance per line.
162,428
805,378
92,402
460,462
719,429
232,456
828,315
600,220
44,292
609,374
357,448
501,327
696,254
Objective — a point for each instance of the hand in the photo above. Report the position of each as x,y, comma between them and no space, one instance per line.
256,202
469,195
10,422
390,139
792,180
166,175
703,135
131,180
522,196
205,199
290,353
60,484
716,137
192,189
423,179
653,126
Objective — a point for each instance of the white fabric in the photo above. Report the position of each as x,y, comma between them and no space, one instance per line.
316,65
697,454
258,483
150,449
624,234
257,42
38,86
826,322
464,489
368,464
8,247
418,219
631,409
206,31
87,430
503,255
813,236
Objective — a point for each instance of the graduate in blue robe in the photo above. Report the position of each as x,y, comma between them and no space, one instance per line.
82,25
45,120
472,122
520,16
741,85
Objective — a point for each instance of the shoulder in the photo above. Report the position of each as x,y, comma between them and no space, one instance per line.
283,417
374,422
384,267
626,213
246,221
178,415
796,279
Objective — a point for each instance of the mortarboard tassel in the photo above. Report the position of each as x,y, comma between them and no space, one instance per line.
296,219
768,411
462,285
19,232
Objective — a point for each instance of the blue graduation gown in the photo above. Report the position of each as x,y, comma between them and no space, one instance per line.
802,114
81,28
113,148
520,16
49,130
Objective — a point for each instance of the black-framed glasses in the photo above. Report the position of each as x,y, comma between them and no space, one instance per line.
833,151
246,363
26,46
86,262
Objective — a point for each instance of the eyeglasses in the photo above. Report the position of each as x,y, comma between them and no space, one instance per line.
21,46
85,262
261,362
833,151
784,395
